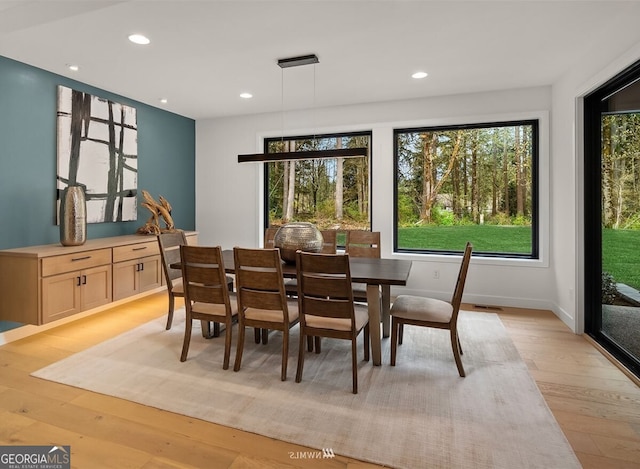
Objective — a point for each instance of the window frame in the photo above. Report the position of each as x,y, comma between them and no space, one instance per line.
265,173
536,122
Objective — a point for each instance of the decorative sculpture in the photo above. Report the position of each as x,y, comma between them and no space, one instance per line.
158,210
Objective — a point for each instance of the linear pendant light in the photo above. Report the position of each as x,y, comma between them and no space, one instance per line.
302,155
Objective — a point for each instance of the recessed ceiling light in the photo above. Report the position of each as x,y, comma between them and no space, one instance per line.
139,39
164,101
246,95
73,68
419,75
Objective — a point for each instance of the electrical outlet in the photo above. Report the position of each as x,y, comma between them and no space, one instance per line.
436,274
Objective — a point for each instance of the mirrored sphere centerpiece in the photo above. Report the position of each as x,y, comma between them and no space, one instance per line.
297,235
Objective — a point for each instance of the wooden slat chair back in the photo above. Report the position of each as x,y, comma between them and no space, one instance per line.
329,246
361,243
431,312
269,236
206,293
169,244
325,300
262,301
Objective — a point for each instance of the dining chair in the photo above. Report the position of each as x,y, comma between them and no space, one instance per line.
329,246
262,300
269,236
360,243
325,301
269,243
169,243
431,312
206,293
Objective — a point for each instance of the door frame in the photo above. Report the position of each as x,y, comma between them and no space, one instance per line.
593,106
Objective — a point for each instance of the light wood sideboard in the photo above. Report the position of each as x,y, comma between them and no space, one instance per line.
40,284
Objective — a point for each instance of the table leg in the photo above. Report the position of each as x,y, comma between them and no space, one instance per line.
386,306
206,329
373,304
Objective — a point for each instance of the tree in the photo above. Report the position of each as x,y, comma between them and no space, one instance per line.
431,184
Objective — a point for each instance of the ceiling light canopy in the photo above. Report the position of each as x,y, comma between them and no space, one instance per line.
298,61
139,39
302,155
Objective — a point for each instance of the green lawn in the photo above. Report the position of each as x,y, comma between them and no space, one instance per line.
485,238
620,248
621,255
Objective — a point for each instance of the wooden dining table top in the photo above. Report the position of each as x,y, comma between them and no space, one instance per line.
363,269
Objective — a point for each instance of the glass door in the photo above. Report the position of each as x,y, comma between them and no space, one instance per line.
612,216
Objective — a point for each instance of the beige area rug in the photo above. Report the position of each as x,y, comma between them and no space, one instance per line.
417,414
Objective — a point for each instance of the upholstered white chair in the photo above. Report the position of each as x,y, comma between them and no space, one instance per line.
431,312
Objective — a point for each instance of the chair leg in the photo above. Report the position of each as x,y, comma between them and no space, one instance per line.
187,339
354,364
459,346
394,339
456,351
317,343
300,357
400,333
227,344
239,345
216,329
265,336
171,308
256,333
285,354
309,344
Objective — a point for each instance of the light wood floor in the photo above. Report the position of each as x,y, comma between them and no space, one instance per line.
596,405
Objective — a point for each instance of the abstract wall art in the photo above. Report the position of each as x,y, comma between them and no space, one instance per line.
98,149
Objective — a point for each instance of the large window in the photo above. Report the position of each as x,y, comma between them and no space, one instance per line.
467,183
332,193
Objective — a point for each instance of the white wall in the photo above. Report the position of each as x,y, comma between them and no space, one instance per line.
229,194
567,240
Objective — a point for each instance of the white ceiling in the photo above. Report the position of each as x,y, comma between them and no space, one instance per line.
203,54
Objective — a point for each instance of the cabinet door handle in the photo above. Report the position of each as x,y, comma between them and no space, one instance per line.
138,267
84,279
80,258
79,282
140,248
142,266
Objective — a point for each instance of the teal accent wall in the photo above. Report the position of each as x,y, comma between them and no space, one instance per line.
28,145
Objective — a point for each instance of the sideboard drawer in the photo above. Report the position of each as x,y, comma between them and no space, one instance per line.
135,251
78,261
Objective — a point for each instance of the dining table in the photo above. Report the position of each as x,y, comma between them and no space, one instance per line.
377,273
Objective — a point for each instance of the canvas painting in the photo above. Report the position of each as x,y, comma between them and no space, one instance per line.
98,148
